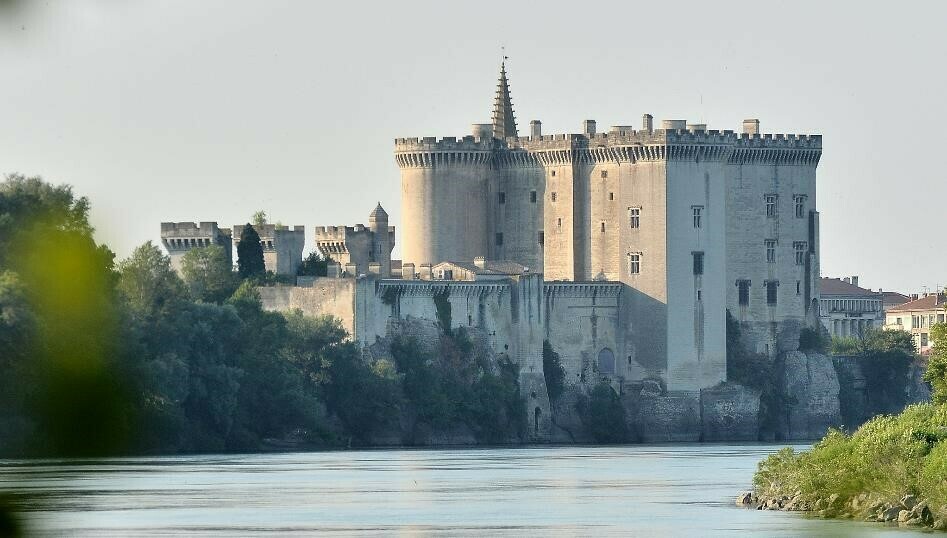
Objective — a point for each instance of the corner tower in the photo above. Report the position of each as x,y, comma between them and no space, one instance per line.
446,186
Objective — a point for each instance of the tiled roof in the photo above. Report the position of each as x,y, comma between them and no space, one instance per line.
893,298
930,302
836,286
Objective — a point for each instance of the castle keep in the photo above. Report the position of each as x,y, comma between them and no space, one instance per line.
692,221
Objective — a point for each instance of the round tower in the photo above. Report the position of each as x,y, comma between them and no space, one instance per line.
446,188
443,198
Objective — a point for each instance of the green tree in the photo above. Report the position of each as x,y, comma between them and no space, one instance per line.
936,373
604,415
208,274
259,218
553,371
250,262
147,282
29,203
314,265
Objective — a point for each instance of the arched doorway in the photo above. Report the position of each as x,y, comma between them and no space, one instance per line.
606,361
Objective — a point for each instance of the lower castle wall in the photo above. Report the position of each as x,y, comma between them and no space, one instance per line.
326,297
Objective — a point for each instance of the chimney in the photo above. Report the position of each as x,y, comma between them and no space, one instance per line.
480,262
847,280
535,129
588,127
854,280
751,126
647,123
913,296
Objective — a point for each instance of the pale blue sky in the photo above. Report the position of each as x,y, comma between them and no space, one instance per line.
210,110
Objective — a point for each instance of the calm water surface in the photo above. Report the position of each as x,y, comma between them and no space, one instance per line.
676,490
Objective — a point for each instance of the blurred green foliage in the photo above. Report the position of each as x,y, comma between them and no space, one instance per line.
102,359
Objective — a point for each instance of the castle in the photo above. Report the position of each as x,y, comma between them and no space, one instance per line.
623,249
692,221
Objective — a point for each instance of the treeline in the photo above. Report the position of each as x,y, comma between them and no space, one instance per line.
99,357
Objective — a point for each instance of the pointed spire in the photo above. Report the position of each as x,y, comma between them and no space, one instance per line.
504,124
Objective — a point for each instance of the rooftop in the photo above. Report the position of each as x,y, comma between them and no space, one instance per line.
930,302
837,286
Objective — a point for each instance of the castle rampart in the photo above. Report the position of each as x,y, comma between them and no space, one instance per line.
180,237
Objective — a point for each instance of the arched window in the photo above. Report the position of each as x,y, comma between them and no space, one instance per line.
606,361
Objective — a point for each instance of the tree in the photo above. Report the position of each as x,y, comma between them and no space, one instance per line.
208,274
885,358
604,415
314,265
147,282
28,203
250,262
259,218
936,373
553,372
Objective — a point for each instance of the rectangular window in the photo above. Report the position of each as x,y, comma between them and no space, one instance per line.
634,216
771,286
923,339
931,321
800,248
499,239
559,223
611,196
532,196
940,318
698,263
770,250
914,322
604,174
698,211
603,226
552,197
542,238
634,263
800,200
743,291
798,288
770,205
897,321
501,197
553,173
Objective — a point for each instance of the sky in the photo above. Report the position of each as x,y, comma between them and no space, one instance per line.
212,110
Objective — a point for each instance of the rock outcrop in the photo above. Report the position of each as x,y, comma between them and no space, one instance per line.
811,387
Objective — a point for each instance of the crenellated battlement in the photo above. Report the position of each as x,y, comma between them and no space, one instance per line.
620,144
180,236
341,232
430,288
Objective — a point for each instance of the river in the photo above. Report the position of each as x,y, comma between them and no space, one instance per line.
641,490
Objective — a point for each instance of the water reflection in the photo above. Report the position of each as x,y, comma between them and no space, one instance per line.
630,490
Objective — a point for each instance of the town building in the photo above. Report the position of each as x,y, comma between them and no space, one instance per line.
917,317
847,310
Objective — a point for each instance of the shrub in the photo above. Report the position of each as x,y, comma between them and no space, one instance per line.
553,372
604,415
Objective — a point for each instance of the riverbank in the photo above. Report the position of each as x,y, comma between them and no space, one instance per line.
891,470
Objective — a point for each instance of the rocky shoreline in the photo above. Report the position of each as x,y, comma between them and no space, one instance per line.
908,511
